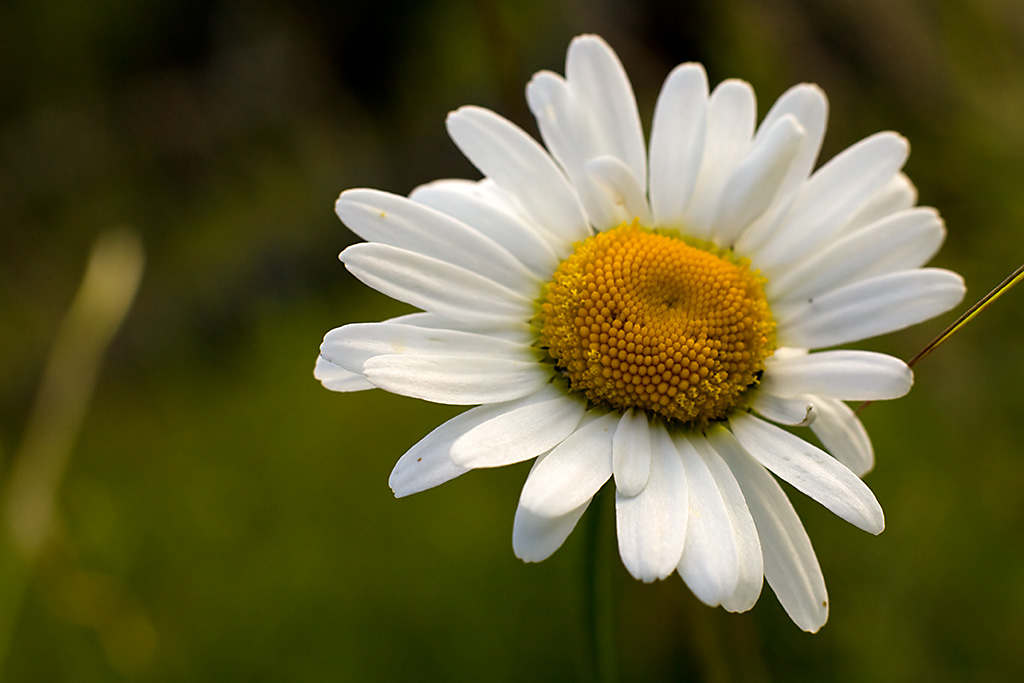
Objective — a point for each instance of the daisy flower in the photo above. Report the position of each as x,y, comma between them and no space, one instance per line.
650,316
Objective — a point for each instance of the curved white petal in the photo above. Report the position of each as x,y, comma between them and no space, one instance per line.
756,182
797,411
536,537
846,375
624,198
731,114
710,562
435,286
389,219
651,526
573,471
807,103
602,89
899,194
790,565
472,204
337,378
631,452
454,380
427,464
742,531
521,167
529,427
900,241
351,346
869,308
810,470
829,199
677,143
843,435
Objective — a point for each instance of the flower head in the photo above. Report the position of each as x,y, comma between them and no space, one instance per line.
651,319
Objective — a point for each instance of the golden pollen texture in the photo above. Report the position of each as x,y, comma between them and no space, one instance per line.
641,319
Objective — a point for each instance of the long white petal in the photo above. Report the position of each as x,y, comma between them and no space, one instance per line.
900,241
471,203
757,180
709,564
390,219
337,378
573,471
651,526
520,166
435,286
631,453
602,88
529,427
351,346
843,435
846,375
743,531
830,198
456,381
732,110
427,464
677,143
869,308
810,470
790,565
808,104
536,537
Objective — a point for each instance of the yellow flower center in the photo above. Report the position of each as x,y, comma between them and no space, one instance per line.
641,319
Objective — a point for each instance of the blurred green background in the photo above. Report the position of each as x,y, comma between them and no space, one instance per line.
223,517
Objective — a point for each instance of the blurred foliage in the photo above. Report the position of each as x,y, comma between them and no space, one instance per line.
226,518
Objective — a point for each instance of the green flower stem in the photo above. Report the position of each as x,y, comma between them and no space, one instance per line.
599,575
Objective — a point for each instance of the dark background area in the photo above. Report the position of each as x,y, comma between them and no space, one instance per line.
226,518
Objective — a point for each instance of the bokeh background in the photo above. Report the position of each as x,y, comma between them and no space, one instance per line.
223,517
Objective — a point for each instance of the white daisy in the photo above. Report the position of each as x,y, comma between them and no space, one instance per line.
651,318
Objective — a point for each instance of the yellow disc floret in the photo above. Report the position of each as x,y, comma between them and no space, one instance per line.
638,318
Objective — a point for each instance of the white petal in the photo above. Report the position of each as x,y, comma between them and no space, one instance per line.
677,143
470,203
337,378
709,564
389,219
900,241
742,530
899,194
843,435
869,308
535,537
810,470
731,114
573,471
797,411
651,525
624,198
830,198
790,565
757,180
435,286
454,380
351,346
846,375
602,88
427,464
529,427
631,453
520,166
808,104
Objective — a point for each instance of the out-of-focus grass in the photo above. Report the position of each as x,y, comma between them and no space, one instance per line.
226,518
